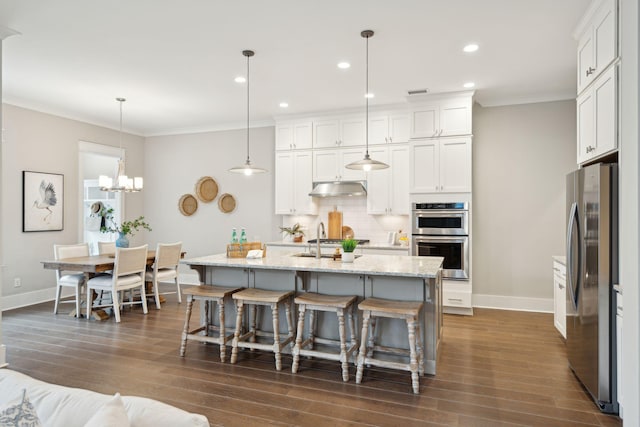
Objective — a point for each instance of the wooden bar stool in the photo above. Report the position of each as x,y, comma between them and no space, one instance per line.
209,295
373,308
255,298
327,303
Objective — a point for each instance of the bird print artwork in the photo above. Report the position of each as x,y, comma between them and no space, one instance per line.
47,199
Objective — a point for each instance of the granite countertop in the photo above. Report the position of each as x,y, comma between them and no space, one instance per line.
369,245
560,258
378,265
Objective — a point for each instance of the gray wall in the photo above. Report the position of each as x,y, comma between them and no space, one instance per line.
174,164
44,143
521,155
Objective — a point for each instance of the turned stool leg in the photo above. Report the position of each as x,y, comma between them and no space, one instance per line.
254,322
223,333
366,315
276,336
312,328
287,310
352,326
296,348
207,318
236,334
420,351
411,324
185,330
372,337
343,345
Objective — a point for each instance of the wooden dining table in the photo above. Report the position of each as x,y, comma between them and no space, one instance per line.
93,265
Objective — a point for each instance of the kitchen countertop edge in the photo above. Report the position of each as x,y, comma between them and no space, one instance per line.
381,246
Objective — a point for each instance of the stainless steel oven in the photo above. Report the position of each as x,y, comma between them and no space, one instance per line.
442,229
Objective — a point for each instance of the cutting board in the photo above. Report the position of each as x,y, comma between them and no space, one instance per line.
335,225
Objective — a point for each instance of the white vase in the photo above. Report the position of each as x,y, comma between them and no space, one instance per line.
347,257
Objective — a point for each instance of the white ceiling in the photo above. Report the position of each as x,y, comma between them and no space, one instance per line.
175,61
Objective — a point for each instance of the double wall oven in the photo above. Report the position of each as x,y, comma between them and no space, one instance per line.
442,229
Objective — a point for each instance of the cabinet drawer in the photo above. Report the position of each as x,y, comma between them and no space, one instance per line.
456,298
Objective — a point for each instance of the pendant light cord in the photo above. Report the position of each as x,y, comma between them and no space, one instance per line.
248,109
366,96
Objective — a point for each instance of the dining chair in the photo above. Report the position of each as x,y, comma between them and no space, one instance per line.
128,274
165,269
106,248
75,280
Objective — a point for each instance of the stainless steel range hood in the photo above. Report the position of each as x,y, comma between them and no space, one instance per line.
339,188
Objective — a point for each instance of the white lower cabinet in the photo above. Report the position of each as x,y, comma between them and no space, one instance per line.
293,183
560,297
456,297
329,165
388,189
441,165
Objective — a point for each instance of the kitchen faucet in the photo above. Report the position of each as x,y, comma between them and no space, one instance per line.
321,225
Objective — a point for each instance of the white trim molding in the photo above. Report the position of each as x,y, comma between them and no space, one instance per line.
501,302
9,302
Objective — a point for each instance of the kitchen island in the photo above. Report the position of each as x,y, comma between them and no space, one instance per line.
382,276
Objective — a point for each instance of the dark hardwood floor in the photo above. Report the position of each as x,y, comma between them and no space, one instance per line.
497,368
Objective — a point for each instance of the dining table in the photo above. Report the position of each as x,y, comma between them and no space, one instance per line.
93,265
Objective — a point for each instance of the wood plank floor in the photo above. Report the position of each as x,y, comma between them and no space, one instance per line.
497,368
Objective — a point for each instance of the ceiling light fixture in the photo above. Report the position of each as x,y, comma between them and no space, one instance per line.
470,48
367,163
283,105
239,79
120,181
344,65
247,168
469,85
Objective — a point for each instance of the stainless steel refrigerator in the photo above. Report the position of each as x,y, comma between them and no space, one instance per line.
592,270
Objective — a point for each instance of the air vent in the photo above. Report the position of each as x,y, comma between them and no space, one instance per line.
417,91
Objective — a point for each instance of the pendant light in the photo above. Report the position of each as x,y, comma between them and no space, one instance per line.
367,163
247,168
120,181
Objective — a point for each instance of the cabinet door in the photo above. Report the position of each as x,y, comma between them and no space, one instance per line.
283,178
352,132
585,128
425,121
324,165
619,357
399,203
348,156
398,128
303,135
455,165
378,130
605,103
302,183
585,59
425,167
378,183
326,133
455,118
284,137
604,37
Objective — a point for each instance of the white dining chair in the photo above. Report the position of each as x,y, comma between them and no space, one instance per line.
128,274
165,269
106,248
74,280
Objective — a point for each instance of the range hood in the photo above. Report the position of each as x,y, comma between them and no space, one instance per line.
339,188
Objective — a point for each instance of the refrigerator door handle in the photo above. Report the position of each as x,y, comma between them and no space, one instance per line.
573,223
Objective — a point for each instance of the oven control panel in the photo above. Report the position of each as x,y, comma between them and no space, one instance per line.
441,206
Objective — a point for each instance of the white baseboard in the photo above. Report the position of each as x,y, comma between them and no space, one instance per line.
9,302
499,302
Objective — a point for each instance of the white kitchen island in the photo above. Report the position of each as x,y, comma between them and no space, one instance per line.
382,276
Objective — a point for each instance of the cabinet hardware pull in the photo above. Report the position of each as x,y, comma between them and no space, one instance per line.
455,299
386,139
561,286
390,139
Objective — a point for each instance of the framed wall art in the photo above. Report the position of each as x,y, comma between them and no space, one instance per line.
42,201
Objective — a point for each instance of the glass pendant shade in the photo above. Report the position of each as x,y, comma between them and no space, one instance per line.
367,164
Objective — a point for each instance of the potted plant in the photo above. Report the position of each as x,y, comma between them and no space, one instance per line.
295,231
348,246
124,229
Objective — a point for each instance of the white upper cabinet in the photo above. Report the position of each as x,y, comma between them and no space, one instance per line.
388,189
433,116
388,129
597,43
293,182
294,135
345,132
441,166
329,165
597,117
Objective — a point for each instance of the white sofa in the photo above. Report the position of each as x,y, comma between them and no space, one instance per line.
59,406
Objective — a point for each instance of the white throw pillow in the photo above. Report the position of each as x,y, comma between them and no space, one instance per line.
111,414
19,413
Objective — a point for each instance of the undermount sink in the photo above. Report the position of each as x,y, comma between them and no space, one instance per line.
310,255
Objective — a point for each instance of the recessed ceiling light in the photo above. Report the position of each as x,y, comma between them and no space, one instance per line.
470,47
344,65
239,79
284,105
369,95
469,85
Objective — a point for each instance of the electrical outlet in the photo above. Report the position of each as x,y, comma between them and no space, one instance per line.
17,282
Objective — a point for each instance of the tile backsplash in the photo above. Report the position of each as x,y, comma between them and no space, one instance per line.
354,214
